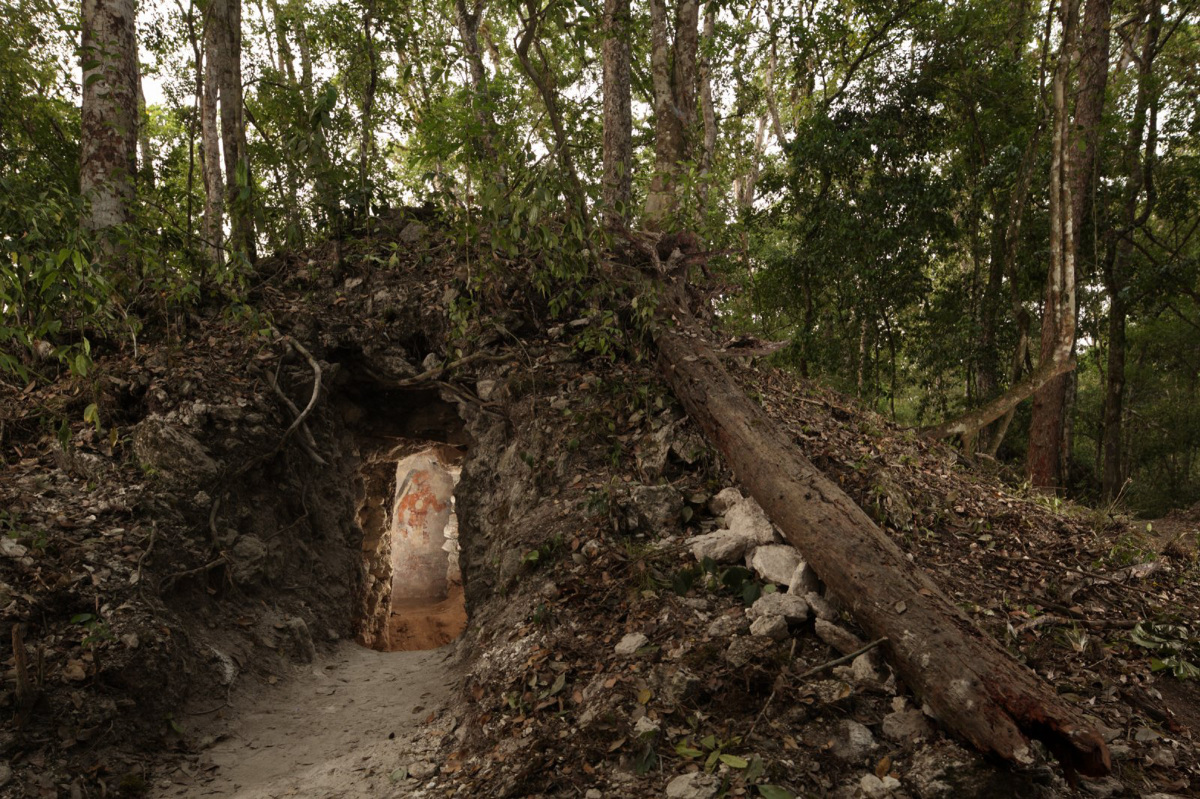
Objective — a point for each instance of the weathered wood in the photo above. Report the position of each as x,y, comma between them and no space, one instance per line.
974,686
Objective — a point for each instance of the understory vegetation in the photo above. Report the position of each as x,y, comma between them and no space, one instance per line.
929,204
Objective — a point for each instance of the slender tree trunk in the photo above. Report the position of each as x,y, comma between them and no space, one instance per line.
109,120
708,112
1142,138
617,182
146,156
541,75
468,31
1076,176
367,138
970,682
1111,480
239,185
210,137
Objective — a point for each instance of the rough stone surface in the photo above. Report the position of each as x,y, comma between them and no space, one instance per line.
837,637
657,506
906,726
722,546
863,670
173,453
696,785
298,640
773,627
791,608
774,563
725,626
821,607
725,499
248,560
852,741
743,649
749,519
804,580
874,788
486,389
631,643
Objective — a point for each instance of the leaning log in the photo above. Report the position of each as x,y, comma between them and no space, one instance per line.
972,685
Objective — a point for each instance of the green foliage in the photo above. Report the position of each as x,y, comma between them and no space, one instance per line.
1174,647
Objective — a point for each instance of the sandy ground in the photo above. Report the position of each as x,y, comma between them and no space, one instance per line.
356,723
416,624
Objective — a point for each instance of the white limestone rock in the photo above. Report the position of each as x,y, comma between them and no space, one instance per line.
722,546
725,499
803,579
774,563
631,643
773,627
792,608
748,518
821,607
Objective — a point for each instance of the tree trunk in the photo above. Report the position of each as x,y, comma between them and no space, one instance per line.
366,144
238,183
707,110
145,155
618,114
673,77
973,686
1112,481
542,75
214,182
1075,154
1142,137
109,121
468,31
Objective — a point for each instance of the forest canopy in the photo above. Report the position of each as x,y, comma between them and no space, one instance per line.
979,218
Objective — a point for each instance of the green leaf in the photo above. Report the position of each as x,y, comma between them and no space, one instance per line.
733,761
755,771
683,750
80,618
774,792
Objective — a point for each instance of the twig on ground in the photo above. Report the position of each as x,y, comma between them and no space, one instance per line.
839,661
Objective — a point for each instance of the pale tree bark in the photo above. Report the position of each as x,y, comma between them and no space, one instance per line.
744,186
1048,449
673,76
145,154
210,149
366,145
109,121
617,182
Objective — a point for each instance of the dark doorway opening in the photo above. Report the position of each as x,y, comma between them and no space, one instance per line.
412,447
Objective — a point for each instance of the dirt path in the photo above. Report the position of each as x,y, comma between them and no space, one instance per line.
416,624
356,723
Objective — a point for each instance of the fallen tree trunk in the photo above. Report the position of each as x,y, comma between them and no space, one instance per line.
974,686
